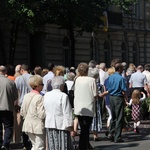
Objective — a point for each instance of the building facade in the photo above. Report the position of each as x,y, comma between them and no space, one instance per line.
127,38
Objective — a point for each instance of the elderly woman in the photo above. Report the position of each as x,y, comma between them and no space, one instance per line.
33,113
85,92
97,121
59,121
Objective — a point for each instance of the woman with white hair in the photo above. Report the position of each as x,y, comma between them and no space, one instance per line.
33,112
59,120
97,121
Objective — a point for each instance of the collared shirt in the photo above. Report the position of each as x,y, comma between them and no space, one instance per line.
138,79
46,78
102,76
116,84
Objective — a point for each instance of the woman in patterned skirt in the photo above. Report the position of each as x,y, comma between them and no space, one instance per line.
136,108
59,121
97,122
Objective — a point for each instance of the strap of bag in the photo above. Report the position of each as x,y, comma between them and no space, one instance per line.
72,88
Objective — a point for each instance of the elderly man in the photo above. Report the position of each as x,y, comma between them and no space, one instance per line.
116,87
138,81
8,95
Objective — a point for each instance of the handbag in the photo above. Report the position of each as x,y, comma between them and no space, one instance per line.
71,94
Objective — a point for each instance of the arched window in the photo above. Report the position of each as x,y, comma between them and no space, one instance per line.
66,51
135,53
94,49
124,51
107,53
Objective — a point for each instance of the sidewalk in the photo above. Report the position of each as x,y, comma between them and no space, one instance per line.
133,141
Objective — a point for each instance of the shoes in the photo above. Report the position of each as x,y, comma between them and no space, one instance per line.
119,141
110,137
137,130
106,133
96,139
3,148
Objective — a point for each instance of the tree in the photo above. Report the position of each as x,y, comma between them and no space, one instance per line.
73,15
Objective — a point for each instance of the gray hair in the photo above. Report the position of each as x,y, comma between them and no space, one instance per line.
102,66
70,76
93,72
3,70
92,64
57,82
129,71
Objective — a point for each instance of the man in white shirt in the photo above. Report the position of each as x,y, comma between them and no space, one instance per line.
48,77
103,75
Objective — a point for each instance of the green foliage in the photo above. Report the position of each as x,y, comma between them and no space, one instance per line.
83,15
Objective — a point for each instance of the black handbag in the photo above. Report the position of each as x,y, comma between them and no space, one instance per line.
71,95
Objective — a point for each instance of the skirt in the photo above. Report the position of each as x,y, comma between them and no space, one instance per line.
58,139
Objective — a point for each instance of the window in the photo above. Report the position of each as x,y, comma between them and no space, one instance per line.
107,53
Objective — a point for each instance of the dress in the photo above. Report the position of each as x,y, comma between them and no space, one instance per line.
97,121
137,109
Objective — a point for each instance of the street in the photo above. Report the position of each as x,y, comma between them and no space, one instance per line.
133,141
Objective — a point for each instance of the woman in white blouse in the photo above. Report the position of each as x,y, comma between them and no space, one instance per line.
85,92
59,121
33,113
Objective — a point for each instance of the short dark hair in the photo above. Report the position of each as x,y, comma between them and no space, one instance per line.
50,66
25,67
118,66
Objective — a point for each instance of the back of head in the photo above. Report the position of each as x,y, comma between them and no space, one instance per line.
147,67
92,64
10,70
70,76
18,68
83,69
102,66
118,67
94,73
50,66
111,71
37,70
59,70
115,61
25,67
3,70
57,82
136,96
140,68
35,81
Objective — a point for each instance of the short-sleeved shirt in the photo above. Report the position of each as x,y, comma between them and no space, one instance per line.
116,84
138,79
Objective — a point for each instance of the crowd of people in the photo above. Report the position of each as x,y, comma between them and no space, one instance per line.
35,107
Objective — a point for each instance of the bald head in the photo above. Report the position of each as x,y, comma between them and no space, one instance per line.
3,70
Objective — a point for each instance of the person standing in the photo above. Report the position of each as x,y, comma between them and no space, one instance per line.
8,95
48,77
59,118
135,101
85,92
33,113
116,87
138,81
23,88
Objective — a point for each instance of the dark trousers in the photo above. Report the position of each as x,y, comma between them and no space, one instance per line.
117,110
6,120
85,123
26,141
